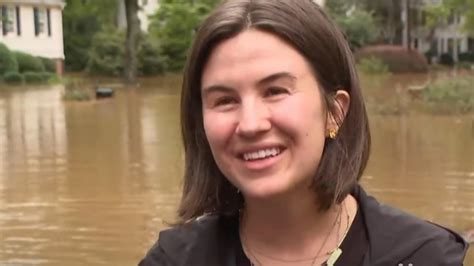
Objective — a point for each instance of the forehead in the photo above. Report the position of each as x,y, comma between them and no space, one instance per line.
252,55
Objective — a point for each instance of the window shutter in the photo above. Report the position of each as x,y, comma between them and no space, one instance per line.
48,17
36,19
18,21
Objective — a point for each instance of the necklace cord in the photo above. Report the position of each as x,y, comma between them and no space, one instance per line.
337,221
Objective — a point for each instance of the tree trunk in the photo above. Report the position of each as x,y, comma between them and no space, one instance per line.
132,41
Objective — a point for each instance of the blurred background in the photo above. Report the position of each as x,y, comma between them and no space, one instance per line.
90,150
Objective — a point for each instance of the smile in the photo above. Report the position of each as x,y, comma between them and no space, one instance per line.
261,154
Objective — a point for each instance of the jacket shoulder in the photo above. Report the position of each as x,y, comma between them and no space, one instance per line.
190,243
398,237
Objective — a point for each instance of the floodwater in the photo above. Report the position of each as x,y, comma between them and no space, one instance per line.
92,183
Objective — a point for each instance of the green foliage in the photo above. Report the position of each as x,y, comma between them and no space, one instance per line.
106,53
373,66
13,77
451,95
438,13
74,90
174,25
8,62
49,64
446,59
76,95
82,19
27,62
150,60
33,77
466,57
359,26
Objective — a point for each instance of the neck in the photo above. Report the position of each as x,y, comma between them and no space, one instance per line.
292,224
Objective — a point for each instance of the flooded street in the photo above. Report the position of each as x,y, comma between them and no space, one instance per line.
92,183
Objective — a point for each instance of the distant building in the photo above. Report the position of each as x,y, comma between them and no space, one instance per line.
34,27
446,38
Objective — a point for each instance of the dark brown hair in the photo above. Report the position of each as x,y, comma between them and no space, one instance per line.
306,27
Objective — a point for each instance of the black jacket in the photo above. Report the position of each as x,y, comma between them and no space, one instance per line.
395,238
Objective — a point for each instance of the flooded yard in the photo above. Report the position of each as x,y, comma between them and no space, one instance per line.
92,183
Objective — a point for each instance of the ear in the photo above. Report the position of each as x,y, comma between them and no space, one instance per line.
342,100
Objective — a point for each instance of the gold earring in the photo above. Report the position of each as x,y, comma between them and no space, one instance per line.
332,133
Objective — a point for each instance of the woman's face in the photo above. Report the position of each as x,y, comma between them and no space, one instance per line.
263,114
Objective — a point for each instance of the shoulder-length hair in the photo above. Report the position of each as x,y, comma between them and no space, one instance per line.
306,27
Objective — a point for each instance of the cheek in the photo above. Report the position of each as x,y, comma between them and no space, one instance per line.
301,118
218,130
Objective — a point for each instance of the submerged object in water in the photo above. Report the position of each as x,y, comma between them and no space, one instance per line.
102,92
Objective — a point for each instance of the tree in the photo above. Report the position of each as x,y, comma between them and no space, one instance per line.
440,13
131,40
174,25
358,25
82,19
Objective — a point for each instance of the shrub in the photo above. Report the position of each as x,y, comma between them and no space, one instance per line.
12,77
106,54
150,61
372,65
28,63
397,58
466,57
446,59
46,76
49,64
8,62
451,95
33,77
429,56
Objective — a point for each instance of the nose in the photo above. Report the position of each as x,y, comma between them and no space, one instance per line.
254,119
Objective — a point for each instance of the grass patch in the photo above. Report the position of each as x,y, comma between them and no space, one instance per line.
75,90
373,66
450,96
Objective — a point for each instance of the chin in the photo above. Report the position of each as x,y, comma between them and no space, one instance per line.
264,191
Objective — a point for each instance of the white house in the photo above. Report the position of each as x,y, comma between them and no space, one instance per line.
447,37
34,27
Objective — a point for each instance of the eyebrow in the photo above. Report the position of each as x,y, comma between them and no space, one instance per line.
276,76
268,79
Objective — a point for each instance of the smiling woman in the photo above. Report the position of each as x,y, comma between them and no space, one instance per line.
276,138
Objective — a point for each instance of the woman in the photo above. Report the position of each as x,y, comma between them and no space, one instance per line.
276,137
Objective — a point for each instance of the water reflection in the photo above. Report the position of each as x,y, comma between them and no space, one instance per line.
92,183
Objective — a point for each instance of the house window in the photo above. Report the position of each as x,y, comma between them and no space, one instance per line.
42,20
9,19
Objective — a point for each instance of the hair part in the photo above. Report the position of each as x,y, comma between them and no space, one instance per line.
317,38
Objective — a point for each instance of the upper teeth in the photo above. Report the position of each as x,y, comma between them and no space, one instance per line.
261,154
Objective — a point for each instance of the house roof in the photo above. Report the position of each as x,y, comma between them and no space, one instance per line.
60,3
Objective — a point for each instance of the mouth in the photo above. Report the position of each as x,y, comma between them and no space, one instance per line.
261,154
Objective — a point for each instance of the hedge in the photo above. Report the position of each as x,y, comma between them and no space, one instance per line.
397,58
8,62
33,77
28,63
13,77
49,64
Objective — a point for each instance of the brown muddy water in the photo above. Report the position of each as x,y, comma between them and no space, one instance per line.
92,183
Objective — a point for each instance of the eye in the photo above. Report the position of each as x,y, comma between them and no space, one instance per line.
223,101
275,91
